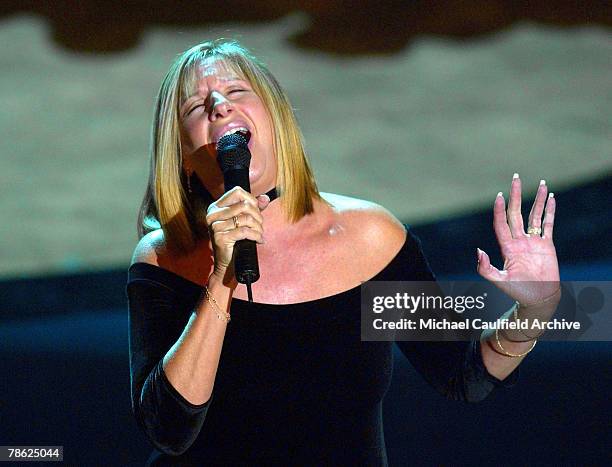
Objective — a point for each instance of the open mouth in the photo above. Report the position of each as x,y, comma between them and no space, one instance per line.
246,134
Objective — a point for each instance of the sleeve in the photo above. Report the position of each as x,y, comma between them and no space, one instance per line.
455,369
155,323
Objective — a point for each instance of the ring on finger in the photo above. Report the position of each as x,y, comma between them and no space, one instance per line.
534,230
236,223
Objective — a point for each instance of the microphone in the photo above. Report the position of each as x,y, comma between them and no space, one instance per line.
234,158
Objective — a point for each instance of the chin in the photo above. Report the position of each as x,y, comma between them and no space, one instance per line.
254,176
260,185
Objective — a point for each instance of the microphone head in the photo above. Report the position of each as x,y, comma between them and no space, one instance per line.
233,152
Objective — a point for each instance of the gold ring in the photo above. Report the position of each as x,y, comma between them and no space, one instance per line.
534,230
236,224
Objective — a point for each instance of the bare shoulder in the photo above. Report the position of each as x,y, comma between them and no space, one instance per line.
150,248
368,223
195,265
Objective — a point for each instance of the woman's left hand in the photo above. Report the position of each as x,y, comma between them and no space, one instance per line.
531,269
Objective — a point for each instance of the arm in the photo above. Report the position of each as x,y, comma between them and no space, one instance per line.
455,369
172,379
175,355
530,276
191,363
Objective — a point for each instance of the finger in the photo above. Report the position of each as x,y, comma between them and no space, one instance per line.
549,217
246,208
242,220
236,209
535,216
241,233
486,269
515,219
500,224
263,201
236,195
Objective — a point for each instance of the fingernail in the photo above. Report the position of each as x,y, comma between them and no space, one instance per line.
515,176
478,253
551,195
542,182
500,194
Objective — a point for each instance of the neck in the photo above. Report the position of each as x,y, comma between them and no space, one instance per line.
278,229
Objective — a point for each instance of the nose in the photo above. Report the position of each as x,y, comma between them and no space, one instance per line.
220,107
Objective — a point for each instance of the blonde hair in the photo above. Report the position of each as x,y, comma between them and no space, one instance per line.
167,203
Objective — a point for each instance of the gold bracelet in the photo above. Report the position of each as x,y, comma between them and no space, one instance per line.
220,313
517,305
508,354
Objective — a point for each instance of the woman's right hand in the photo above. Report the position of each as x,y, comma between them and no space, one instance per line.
234,216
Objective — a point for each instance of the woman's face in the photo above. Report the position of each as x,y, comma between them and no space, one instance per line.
222,101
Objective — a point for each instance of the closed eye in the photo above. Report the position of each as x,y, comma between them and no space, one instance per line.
195,107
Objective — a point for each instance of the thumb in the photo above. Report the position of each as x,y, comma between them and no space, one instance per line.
263,201
486,269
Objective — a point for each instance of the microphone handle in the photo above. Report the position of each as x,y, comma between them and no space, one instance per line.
246,265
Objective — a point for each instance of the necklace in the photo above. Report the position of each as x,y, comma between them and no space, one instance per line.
272,194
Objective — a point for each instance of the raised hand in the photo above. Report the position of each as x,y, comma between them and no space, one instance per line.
531,270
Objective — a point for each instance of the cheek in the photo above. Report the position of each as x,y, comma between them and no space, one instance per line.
265,127
195,129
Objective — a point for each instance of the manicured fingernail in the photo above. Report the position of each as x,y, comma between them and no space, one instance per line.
515,176
542,182
551,195
500,194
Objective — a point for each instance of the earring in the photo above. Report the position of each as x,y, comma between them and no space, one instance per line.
189,173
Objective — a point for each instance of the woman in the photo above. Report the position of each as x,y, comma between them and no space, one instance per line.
288,380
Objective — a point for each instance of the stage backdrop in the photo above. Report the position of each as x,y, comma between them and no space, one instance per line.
434,129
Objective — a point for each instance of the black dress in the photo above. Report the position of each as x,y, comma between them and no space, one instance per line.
295,383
